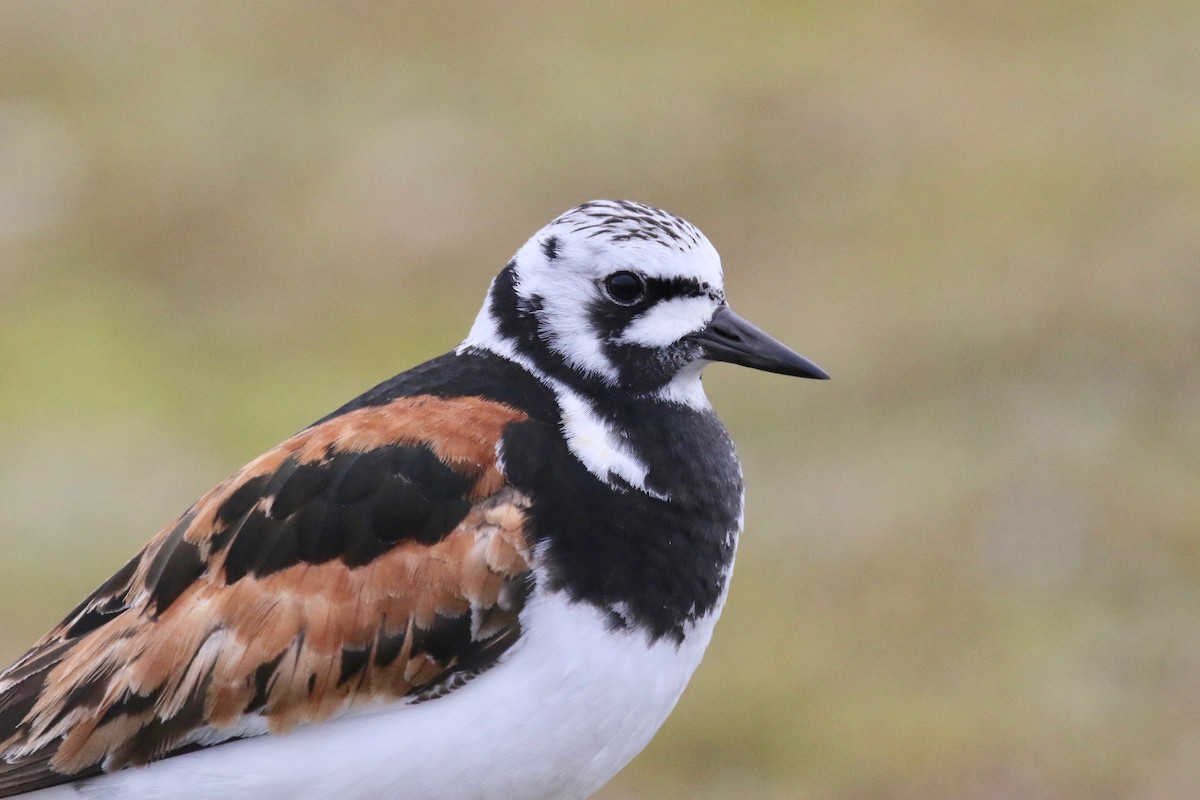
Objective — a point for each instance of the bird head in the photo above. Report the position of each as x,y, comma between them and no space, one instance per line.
617,296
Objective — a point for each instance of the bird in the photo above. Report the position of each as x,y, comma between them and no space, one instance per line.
490,576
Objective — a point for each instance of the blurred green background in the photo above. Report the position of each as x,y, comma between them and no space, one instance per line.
972,560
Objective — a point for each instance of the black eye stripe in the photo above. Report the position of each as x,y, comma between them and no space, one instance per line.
628,288
666,288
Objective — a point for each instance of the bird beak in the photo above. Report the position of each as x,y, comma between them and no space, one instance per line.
730,338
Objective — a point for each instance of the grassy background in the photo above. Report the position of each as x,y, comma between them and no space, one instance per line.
971,566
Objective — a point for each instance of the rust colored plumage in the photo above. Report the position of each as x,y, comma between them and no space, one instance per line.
254,613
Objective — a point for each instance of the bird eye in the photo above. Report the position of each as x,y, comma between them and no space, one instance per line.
625,288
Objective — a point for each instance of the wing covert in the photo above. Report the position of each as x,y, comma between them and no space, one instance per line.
379,554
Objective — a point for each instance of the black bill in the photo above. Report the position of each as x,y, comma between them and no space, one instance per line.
730,338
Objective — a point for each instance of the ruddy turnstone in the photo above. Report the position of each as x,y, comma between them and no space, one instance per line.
488,577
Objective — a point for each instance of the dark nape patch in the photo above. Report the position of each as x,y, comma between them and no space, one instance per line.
513,316
550,248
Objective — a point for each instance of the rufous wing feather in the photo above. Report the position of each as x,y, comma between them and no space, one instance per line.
377,556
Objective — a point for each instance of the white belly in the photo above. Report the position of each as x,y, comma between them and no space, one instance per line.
567,708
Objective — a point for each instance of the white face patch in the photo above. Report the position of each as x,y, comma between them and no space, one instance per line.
669,321
563,321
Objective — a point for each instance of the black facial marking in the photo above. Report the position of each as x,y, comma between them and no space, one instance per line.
517,319
550,247
677,286
609,319
641,370
515,315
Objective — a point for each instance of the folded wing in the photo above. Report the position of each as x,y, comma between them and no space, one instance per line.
379,555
